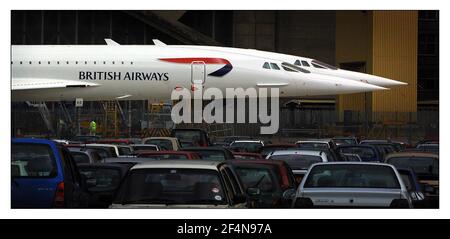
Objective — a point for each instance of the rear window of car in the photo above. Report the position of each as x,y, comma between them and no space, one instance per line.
197,137
124,150
101,178
256,178
211,155
137,148
420,165
174,186
80,157
164,144
164,156
32,160
365,153
297,161
312,145
352,176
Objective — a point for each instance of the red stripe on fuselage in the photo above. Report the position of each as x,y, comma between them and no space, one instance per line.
207,60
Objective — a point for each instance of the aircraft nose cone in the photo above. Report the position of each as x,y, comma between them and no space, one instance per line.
381,81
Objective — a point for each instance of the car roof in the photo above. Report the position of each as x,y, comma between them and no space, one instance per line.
412,154
279,145
152,145
102,145
167,138
185,164
354,163
33,140
298,151
313,141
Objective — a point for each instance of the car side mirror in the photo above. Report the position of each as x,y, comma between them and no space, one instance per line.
289,194
253,191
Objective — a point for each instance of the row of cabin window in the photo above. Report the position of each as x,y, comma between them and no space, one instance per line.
275,66
67,62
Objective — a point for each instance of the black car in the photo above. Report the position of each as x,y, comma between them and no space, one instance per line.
212,153
102,182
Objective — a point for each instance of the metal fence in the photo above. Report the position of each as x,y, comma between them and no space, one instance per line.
132,118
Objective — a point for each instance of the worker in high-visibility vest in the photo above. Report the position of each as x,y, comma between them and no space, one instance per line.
92,127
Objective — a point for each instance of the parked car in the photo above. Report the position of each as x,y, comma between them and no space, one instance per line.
367,153
118,150
181,184
268,148
198,137
130,161
164,143
212,153
112,141
85,138
147,147
266,177
383,147
102,182
299,160
344,140
320,144
352,184
44,175
251,146
430,148
425,166
165,155
247,156
107,152
85,155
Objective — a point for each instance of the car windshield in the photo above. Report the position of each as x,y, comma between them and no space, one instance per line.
32,160
256,178
80,157
365,153
422,166
297,161
212,155
164,144
174,186
352,176
97,178
312,145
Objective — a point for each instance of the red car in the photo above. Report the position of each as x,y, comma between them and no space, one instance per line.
247,156
183,155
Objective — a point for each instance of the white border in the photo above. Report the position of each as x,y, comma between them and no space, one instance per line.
6,212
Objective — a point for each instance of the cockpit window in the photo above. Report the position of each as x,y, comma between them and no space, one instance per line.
322,65
305,63
290,67
297,62
274,66
266,65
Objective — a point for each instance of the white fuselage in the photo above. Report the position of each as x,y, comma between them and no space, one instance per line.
133,72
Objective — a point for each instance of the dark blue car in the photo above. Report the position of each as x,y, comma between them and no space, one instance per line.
44,175
367,153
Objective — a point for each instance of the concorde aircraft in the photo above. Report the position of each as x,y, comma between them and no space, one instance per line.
136,72
312,65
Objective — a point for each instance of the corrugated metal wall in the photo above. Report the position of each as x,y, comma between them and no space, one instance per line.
387,42
395,57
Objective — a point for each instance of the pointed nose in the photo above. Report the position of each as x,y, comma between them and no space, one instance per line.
381,81
346,86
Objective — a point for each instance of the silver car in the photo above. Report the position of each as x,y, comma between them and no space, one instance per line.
352,184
